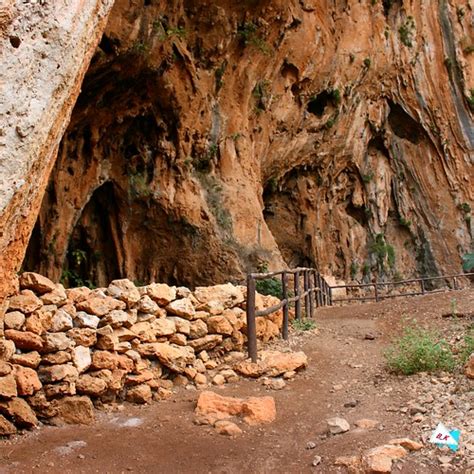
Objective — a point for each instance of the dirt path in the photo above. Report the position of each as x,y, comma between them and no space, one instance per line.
346,377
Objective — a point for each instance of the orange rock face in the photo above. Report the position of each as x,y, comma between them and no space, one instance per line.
207,139
41,101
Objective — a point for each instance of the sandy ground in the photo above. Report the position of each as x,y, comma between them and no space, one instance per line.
346,377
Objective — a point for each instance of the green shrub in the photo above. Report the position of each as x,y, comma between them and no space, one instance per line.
468,262
468,347
419,350
248,33
367,62
270,287
303,324
406,32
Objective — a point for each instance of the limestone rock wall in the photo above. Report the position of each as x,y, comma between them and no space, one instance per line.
64,351
45,49
212,137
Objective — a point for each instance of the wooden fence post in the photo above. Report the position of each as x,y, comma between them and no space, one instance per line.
422,284
297,294
376,292
251,323
284,329
306,297
311,295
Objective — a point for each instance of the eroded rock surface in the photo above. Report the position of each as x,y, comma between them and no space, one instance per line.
208,138
45,49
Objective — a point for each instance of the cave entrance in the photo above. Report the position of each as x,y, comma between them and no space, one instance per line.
91,258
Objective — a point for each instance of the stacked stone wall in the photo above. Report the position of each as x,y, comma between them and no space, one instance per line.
62,351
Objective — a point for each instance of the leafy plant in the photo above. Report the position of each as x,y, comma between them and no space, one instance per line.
468,262
406,32
468,347
404,222
354,270
465,207
303,324
382,251
367,178
367,62
470,99
248,32
270,287
419,350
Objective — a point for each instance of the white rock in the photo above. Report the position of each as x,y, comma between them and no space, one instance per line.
61,322
81,356
338,425
84,320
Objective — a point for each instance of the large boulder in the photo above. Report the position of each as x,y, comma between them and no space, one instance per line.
206,343
212,407
259,410
61,322
91,386
58,341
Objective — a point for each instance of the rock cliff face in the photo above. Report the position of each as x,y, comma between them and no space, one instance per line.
210,137
45,49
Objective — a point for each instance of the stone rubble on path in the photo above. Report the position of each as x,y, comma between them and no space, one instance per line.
213,409
62,351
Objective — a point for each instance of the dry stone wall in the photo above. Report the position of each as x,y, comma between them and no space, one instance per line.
64,351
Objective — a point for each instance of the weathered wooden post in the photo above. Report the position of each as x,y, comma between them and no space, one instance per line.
311,296
284,329
297,296
306,296
251,323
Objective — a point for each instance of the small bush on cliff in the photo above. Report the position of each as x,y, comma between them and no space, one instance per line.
248,33
270,287
383,251
406,32
468,262
419,350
